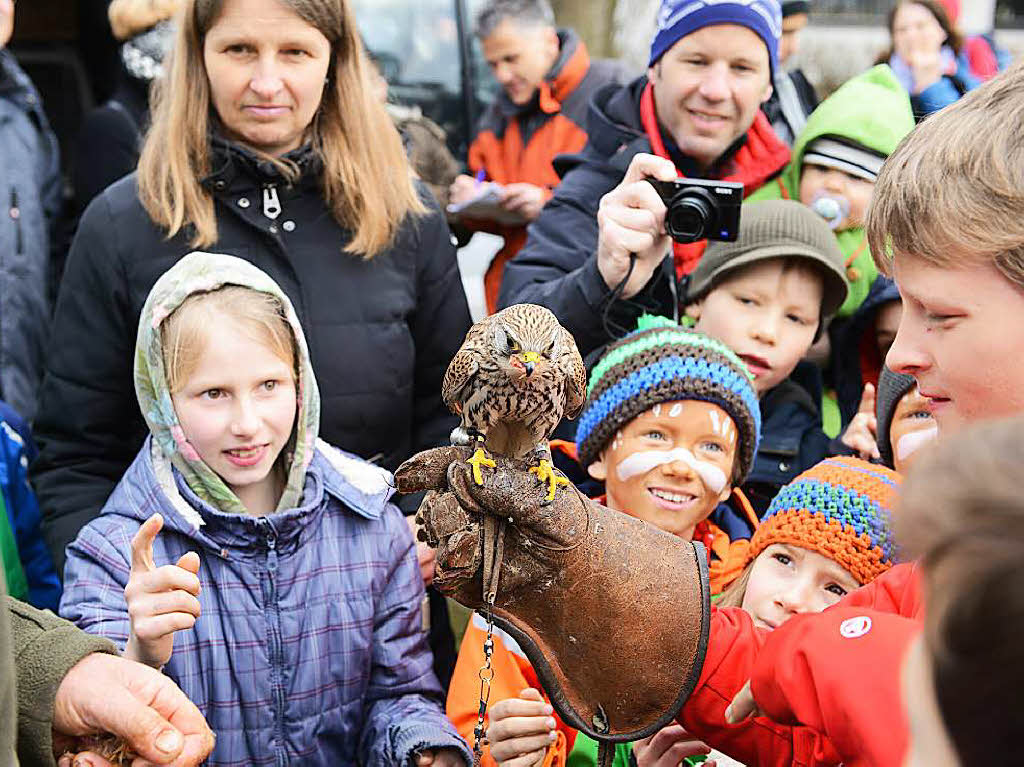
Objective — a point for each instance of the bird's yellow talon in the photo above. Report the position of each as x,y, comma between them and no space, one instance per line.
545,472
480,459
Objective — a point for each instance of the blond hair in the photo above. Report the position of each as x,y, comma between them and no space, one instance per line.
130,17
952,193
183,333
732,595
366,181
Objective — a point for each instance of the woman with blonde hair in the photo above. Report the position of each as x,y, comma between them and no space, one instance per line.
266,143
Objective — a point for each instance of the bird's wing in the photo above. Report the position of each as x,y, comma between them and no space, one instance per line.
458,379
575,377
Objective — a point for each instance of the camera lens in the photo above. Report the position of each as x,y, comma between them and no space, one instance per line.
690,217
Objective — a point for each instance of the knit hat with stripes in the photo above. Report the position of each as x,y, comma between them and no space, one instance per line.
663,362
840,508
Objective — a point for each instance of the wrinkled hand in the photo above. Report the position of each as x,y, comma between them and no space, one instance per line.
107,694
525,199
520,730
440,757
743,706
631,219
862,433
161,600
668,747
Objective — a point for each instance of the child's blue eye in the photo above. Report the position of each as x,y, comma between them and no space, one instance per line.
783,559
712,447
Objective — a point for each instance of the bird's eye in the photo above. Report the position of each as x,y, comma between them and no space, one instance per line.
513,346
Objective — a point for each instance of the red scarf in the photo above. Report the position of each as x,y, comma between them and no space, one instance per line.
762,156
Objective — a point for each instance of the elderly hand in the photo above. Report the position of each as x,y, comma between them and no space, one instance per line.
107,694
631,220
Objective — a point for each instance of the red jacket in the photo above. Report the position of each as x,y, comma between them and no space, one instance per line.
829,681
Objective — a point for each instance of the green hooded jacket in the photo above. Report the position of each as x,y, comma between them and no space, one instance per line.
872,110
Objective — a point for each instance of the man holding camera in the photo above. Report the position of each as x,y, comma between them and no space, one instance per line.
598,255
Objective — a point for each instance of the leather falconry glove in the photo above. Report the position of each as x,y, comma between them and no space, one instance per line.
612,612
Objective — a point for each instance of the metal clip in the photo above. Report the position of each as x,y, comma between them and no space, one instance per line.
271,203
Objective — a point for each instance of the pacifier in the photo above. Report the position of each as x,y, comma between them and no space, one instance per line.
834,208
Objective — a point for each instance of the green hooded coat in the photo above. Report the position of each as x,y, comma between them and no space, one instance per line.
872,110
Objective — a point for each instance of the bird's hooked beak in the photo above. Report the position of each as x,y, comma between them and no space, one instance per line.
529,361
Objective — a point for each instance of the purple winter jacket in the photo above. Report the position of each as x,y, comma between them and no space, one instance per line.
310,648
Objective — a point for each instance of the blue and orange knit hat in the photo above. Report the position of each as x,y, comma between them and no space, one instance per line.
840,508
662,362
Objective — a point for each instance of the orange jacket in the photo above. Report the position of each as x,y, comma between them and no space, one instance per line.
513,146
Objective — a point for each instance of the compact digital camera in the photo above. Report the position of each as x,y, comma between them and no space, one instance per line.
699,209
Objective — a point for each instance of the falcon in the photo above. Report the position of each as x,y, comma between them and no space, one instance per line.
513,379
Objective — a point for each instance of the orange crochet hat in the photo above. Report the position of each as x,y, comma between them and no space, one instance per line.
840,508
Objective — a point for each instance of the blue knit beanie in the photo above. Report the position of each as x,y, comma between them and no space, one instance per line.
678,18
662,362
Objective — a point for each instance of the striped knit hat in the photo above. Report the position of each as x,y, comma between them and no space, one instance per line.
662,362
840,508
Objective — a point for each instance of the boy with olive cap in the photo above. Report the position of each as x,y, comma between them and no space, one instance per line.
768,296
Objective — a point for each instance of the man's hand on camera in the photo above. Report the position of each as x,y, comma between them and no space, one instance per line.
631,219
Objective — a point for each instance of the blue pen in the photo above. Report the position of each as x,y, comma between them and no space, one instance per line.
480,176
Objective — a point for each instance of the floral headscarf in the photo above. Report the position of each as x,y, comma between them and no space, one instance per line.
201,273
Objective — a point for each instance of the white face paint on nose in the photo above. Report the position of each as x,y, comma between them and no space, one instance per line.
909,444
642,462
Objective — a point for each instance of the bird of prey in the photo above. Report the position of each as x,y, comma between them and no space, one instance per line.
513,379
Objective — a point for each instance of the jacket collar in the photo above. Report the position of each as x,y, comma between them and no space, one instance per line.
358,486
562,79
231,162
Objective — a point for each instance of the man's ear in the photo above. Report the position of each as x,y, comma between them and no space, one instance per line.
769,89
654,71
598,469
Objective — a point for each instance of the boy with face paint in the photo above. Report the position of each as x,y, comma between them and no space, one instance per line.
670,427
905,423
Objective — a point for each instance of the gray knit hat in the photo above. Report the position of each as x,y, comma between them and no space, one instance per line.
891,388
776,229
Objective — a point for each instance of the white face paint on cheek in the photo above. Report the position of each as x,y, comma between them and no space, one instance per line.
909,444
643,461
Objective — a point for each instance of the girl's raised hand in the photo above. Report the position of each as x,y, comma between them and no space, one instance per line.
161,600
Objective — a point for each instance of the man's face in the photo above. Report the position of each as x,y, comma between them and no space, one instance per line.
767,314
789,43
960,337
520,56
708,88
670,466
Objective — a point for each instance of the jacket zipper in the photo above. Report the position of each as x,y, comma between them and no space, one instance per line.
15,213
271,202
276,651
